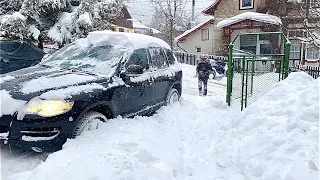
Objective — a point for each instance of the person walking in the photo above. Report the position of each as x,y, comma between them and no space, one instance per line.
204,69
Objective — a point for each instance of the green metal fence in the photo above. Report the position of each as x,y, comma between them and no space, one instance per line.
251,75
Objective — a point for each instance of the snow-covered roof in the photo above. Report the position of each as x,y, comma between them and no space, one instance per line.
136,40
137,24
210,10
193,30
265,18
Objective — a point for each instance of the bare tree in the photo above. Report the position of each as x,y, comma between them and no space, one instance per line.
170,10
299,12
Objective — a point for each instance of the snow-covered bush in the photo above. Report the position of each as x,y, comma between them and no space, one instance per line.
57,20
14,26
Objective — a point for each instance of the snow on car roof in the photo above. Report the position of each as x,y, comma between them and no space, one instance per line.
265,18
128,39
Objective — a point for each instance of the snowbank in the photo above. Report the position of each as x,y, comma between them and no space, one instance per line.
265,18
277,137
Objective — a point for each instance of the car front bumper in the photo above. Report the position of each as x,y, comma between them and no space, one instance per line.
40,135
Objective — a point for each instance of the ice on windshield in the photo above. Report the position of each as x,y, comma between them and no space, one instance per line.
85,55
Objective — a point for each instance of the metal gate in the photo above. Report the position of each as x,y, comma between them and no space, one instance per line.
251,75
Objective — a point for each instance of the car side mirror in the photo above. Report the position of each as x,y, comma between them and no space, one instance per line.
131,71
134,70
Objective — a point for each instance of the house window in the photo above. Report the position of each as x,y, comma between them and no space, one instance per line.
295,51
246,4
312,53
205,34
198,49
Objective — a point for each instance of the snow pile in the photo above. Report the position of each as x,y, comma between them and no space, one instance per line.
44,83
277,137
265,18
6,78
8,105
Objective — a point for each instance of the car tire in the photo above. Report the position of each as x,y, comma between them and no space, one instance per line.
88,121
172,96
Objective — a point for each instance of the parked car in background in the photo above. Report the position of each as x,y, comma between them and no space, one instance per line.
15,55
84,84
219,67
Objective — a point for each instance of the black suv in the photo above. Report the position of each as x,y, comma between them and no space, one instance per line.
16,55
85,83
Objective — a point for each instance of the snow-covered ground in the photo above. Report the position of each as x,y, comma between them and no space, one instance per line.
275,138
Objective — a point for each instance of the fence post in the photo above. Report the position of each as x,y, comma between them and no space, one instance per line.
229,78
286,59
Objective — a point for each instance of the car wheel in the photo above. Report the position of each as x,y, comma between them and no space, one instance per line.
173,96
88,121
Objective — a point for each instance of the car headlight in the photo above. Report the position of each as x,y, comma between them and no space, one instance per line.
48,108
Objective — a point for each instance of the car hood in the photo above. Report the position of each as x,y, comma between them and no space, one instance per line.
28,83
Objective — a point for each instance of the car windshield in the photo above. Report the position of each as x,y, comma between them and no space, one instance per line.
100,59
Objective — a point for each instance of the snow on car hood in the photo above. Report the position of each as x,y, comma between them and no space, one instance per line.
50,82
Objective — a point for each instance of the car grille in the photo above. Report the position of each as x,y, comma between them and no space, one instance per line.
40,132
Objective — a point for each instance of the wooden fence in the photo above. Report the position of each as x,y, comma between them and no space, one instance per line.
194,59
312,71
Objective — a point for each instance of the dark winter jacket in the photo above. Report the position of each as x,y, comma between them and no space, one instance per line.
204,69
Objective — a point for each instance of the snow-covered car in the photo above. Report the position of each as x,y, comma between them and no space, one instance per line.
85,83
15,55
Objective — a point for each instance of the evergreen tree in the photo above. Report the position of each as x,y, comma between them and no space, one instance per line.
56,19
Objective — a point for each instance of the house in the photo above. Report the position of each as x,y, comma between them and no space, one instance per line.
123,23
233,17
199,39
140,28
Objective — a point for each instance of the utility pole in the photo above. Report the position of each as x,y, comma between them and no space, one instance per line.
193,5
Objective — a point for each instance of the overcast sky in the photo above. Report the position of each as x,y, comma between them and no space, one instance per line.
142,10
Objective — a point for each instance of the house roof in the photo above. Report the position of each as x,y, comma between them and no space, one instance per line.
264,18
193,30
210,10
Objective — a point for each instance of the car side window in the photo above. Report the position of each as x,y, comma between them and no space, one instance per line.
138,57
158,57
